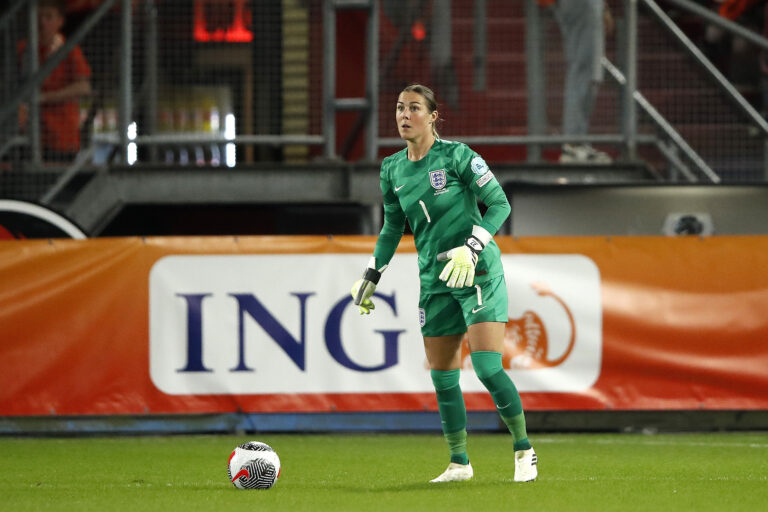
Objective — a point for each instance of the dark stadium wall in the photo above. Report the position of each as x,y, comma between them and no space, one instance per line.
350,82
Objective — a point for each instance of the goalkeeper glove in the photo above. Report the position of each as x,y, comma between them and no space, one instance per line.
363,288
460,269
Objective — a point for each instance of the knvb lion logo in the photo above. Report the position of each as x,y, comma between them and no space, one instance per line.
526,344
553,336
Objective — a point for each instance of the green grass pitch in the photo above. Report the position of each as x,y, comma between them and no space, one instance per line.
589,472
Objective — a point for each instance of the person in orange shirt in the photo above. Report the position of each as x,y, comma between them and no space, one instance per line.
62,89
733,9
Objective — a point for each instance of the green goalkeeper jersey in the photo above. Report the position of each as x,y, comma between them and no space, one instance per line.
438,195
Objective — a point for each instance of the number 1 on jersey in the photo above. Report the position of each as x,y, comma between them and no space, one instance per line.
424,207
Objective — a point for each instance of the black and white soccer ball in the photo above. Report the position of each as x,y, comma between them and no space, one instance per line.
253,465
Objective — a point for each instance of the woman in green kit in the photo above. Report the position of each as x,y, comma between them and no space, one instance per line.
435,185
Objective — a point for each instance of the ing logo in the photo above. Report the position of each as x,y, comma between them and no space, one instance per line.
553,336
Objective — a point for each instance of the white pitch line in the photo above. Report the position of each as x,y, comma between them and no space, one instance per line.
619,478
649,442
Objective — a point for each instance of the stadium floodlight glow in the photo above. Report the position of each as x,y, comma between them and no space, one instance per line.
229,134
229,126
215,121
132,151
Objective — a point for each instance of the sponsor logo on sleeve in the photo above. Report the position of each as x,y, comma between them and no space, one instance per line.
485,178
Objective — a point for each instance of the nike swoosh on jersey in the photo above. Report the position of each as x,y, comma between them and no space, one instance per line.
475,310
398,188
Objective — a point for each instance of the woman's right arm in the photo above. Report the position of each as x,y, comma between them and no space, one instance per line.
386,244
394,222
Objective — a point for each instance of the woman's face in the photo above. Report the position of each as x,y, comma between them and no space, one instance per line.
49,22
414,120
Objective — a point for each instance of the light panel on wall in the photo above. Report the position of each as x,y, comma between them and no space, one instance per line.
227,21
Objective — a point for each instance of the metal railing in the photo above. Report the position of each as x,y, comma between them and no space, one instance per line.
669,131
744,106
628,135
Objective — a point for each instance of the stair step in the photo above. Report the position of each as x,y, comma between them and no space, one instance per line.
668,78
508,70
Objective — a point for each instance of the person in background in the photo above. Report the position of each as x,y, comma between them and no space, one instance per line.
61,90
583,25
733,9
435,184
733,55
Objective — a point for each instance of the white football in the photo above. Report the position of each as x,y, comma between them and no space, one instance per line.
253,465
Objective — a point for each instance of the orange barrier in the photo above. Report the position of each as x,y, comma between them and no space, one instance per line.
264,324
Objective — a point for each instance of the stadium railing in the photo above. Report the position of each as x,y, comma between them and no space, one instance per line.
193,84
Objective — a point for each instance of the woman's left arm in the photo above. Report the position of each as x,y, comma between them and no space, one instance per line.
498,206
480,179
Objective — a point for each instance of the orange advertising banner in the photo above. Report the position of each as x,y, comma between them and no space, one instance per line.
264,324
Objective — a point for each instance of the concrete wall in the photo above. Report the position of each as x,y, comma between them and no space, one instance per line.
635,209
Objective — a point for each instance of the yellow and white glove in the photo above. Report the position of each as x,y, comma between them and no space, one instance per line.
363,289
460,269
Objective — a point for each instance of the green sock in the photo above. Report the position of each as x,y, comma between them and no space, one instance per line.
491,373
453,413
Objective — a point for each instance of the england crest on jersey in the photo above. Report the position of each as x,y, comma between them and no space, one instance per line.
437,179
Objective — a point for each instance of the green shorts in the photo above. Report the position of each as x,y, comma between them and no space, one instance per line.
441,314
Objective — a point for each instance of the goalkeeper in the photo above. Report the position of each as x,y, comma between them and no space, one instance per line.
435,184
